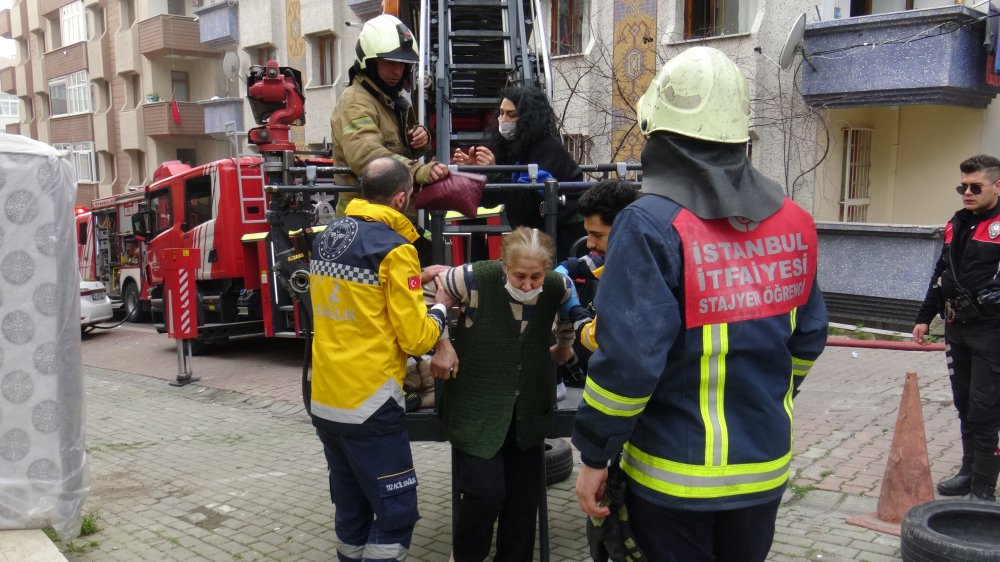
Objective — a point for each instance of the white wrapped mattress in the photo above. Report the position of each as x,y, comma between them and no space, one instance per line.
43,472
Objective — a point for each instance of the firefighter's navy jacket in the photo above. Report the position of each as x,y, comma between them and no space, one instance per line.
368,315
707,327
972,242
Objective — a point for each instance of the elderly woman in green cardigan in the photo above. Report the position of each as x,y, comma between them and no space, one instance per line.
499,409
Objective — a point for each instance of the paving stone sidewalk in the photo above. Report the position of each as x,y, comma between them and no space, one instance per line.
229,468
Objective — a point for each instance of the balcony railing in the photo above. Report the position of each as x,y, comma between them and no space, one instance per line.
167,35
8,80
219,24
158,119
220,111
65,60
931,56
5,28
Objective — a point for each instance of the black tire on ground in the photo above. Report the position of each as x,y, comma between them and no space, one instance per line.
558,461
952,531
131,303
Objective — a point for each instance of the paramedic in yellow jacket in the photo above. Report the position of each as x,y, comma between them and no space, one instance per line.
373,118
369,315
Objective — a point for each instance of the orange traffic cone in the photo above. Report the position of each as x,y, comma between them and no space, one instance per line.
907,480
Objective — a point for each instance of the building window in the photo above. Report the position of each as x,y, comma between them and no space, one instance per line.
175,7
868,7
127,16
186,156
324,57
579,147
857,174
73,23
82,155
9,105
40,48
570,19
95,21
180,85
69,94
711,18
264,53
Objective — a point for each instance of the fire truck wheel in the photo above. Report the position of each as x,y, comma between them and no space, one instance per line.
131,303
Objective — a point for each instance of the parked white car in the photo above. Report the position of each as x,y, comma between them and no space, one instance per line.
95,305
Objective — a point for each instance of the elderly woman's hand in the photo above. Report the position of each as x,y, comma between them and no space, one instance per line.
561,354
444,363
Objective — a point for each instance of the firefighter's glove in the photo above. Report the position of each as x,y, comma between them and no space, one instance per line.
611,538
572,300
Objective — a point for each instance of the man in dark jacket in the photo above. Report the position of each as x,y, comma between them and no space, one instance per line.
710,319
965,284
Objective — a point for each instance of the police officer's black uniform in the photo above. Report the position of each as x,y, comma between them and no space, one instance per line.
965,288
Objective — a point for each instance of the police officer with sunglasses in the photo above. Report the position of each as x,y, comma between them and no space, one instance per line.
965,289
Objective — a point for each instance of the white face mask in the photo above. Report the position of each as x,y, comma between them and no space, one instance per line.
523,296
507,129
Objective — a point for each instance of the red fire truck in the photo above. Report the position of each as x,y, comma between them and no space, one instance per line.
109,252
253,240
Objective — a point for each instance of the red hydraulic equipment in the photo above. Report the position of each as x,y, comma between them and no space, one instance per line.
180,304
277,102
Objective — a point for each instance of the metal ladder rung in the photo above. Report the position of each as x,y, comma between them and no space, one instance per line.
480,102
477,3
480,34
482,66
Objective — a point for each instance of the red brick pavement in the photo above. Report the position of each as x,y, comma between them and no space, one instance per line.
844,416
258,366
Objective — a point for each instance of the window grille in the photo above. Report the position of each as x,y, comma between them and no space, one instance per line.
857,175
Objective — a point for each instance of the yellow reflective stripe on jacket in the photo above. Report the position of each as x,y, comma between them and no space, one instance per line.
389,389
698,481
610,403
715,345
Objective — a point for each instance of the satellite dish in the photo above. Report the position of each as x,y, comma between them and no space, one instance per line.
231,65
794,42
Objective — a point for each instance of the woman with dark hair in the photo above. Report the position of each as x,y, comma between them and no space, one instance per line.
525,132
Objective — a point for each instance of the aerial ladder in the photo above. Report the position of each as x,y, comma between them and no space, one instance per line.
470,50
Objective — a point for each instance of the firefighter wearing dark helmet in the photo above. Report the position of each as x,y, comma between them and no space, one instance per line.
373,118
710,319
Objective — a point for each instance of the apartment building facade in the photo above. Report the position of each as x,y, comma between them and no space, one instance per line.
127,84
101,77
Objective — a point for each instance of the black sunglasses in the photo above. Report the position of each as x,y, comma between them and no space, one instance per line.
975,188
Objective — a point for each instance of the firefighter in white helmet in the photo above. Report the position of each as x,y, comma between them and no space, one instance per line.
373,118
710,319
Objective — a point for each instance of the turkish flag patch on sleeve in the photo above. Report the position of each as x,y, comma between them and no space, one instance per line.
414,282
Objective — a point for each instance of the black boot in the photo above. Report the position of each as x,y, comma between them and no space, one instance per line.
958,485
961,483
984,477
